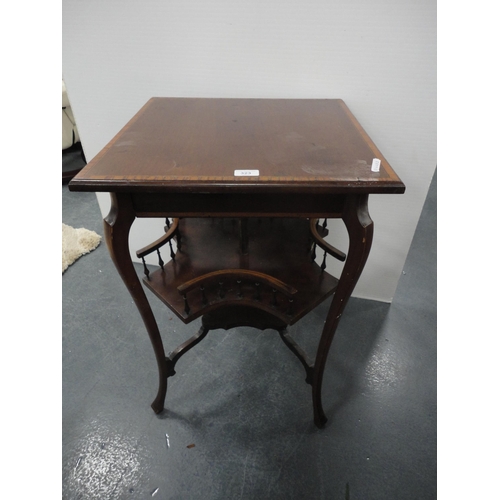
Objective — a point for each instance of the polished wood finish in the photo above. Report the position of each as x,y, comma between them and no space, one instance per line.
116,232
238,275
187,145
277,258
176,158
163,240
329,249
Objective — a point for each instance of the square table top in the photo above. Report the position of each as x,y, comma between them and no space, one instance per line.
197,144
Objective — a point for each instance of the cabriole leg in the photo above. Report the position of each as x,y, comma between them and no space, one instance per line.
116,231
360,229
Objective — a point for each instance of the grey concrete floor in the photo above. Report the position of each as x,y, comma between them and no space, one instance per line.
240,398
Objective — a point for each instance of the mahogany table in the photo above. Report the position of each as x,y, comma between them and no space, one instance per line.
242,184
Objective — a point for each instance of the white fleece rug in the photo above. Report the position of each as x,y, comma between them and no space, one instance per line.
77,242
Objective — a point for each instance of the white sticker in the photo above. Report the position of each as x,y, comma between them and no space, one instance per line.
376,165
246,173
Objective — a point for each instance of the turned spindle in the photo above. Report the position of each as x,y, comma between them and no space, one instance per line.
323,264
186,305
172,254
146,270
313,253
160,260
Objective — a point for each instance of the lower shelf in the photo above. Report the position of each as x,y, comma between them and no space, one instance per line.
278,248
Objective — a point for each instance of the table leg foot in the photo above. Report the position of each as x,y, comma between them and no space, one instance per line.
158,404
320,420
319,414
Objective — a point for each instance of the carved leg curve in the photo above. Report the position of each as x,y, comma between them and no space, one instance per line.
360,229
177,353
116,231
300,353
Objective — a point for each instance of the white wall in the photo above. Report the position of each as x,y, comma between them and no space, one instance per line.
379,56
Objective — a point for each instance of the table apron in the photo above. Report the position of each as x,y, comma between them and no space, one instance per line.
237,205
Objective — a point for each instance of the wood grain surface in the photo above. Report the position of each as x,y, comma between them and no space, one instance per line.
195,145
